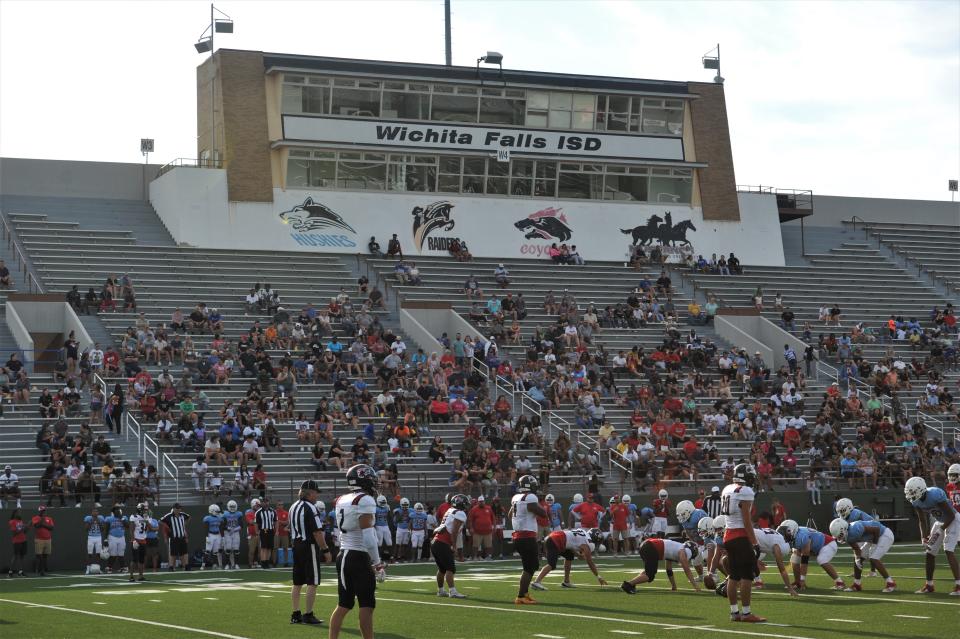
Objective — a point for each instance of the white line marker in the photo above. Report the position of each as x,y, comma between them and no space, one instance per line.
844,620
912,616
626,632
155,600
99,603
550,636
120,618
211,599
781,625
265,596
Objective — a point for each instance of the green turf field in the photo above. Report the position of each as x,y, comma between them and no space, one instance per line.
255,604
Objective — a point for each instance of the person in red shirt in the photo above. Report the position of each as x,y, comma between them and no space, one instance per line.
619,534
678,431
42,525
701,495
18,534
253,538
673,405
658,429
282,547
480,522
661,511
543,526
778,511
589,512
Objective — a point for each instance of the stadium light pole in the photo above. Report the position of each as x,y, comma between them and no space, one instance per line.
713,62
204,44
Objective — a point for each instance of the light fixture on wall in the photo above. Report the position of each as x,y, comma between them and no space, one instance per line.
713,62
203,45
492,57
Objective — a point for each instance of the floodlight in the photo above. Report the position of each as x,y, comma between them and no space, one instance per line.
203,46
224,26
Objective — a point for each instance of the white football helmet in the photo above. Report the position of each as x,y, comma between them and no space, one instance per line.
626,499
843,507
705,526
214,509
382,501
95,568
719,524
404,503
232,506
663,494
549,499
685,510
953,473
838,529
418,507
321,506
254,503
788,529
915,489
578,498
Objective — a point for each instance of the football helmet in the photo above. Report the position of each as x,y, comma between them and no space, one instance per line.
549,499
232,506
105,554
839,528
744,474
843,507
321,506
663,494
528,484
626,499
365,478
646,513
614,499
254,503
418,507
382,501
685,510
95,568
595,535
578,498
788,529
915,488
953,473
460,502
117,511
143,508
213,509
404,503
719,524
693,548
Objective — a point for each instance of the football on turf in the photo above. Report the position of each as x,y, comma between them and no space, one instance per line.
722,588
709,581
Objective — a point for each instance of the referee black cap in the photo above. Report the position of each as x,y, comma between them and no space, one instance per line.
310,485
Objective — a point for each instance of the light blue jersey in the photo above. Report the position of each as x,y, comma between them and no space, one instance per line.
632,517
213,522
857,532
690,526
402,517
96,530
816,538
117,525
556,511
233,521
418,521
381,516
646,516
935,502
576,515
153,531
858,515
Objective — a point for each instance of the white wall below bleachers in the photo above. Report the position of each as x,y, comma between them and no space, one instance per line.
193,205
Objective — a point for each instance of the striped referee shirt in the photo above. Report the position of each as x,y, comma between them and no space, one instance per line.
176,523
266,519
712,506
304,521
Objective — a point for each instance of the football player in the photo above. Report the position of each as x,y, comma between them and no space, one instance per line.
384,537
573,515
705,528
846,511
232,523
253,537
282,552
524,510
442,545
401,517
805,542
556,513
358,565
870,540
418,530
632,532
772,544
661,510
570,544
116,539
213,524
139,525
740,542
689,517
953,485
945,531
153,541
655,549
94,524
643,526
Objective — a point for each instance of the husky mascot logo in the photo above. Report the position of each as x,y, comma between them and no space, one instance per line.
312,215
546,224
429,218
662,230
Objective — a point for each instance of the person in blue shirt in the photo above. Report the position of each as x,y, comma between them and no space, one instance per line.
116,539
382,525
233,522
418,530
689,520
944,533
213,523
153,542
805,542
401,518
95,524
555,511
870,540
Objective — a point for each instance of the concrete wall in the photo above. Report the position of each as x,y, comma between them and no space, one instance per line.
435,322
192,204
66,178
21,336
832,210
410,322
757,333
48,316
718,184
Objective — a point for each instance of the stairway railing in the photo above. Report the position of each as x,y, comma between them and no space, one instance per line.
22,264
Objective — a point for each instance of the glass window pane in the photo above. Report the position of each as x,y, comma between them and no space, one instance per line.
448,183
350,155
397,86
359,102
625,187
450,165
546,169
454,108
559,120
538,100
344,82
474,166
361,175
521,168
311,173
579,185
583,120
561,100
545,188
294,78
497,168
468,91
497,185
521,186
501,111
538,119
583,102
409,106
442,88
670,190
291,100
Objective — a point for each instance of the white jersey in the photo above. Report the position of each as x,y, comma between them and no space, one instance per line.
768,539
348,511
9,481
733,495
575,538
140,526
672,550
523,518
450,518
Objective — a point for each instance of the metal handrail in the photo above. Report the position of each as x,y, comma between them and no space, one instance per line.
23,265
193,163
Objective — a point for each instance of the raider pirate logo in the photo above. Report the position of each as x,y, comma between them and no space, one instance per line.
312,215
546,224
427,219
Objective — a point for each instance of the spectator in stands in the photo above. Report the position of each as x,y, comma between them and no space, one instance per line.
376,299
733,262
501,275
393,247
373,247
471,288
6,280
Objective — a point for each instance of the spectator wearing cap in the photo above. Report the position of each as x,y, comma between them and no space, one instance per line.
42,525
501,275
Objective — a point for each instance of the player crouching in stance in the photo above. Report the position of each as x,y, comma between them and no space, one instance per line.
945,532
773,544
652,551
740,542
805,542
870,540
711,531
524,510
570,544
442,545
358,565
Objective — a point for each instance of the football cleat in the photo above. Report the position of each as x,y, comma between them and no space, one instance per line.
839,585
628,588
891,586
457,595
525,600
752,618
536,585
927,588
721,588
310,619
734,616
853,588
567,584
442,593
956,591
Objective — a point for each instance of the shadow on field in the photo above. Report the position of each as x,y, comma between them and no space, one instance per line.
567,606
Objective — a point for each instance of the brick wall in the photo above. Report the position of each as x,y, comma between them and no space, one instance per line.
718,185
246,143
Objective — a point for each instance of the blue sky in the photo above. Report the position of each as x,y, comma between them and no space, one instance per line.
847,98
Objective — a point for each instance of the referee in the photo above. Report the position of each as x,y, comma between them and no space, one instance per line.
176,531
266,521
306,535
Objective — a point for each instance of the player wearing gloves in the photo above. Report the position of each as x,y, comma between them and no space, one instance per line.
442,545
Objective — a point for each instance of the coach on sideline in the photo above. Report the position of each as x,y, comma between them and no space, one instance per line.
306,535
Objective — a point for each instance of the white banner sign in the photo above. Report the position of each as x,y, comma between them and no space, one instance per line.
465,137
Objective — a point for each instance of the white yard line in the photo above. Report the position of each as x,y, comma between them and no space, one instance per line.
121,618
912,616
844,620
550,636
626,632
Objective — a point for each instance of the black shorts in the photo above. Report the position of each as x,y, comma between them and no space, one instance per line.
526,547
266,540
306,564
153,543
139,553
742,560
443,556
178,546
651,559
355,580
20,549
554,553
